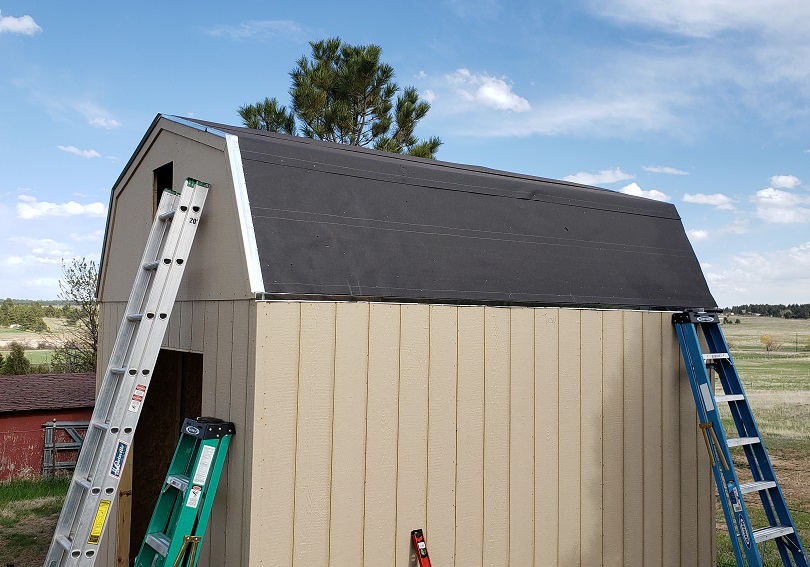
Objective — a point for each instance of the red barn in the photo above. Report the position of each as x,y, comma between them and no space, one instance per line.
30,401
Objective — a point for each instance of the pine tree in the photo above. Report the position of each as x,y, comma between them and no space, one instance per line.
345,94
16,362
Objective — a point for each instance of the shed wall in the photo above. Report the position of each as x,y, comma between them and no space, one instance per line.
223,331
511,435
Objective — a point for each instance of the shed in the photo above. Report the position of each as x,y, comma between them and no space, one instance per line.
29,401
405,343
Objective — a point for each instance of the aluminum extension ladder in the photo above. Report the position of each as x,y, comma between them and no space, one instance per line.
126,380
744,538
181,514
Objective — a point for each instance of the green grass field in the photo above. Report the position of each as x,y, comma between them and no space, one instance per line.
778,388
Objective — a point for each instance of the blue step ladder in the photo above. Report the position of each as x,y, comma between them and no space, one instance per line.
744,538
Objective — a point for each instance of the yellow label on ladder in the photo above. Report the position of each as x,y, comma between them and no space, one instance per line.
98,523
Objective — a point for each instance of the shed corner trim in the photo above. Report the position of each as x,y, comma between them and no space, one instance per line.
254,267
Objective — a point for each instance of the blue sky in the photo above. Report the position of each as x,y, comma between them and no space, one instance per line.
705,104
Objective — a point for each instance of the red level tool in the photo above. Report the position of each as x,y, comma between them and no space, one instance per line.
422,557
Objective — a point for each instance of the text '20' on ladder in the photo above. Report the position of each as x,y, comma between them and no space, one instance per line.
126,380
745,539
181,514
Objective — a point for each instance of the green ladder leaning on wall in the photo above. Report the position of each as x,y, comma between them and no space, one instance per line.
184,505
744,538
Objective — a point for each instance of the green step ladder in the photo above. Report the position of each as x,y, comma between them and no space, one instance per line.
745,539
184,505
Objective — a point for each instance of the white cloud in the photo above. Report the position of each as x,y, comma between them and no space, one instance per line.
81,153
604,176
87,237
777,276
737,227
697,234
260,29
104,122
24,25
33,209
781,207
428,95
785,181
717,200
634,189
488,91
44,249
705,19
663,169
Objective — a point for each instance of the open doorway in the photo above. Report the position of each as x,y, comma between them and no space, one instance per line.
175,393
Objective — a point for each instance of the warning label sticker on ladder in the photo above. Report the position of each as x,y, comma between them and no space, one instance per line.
194,497
204,465
137,397
98,522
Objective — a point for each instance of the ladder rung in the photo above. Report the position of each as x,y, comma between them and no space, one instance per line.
729,397
100,425
64,542
179,481
771,532
715,356
118,370
84,483
740,441
151,265
756,486
167,214
135,317
159,542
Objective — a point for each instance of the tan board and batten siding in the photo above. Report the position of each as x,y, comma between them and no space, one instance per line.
522,436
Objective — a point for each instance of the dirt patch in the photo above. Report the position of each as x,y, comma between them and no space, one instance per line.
26,528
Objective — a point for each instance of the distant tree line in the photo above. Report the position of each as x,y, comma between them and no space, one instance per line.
790,311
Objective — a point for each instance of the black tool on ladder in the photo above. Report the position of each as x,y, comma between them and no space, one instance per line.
419,545
744,537
184,505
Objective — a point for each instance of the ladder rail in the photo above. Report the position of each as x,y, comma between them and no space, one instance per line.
83,520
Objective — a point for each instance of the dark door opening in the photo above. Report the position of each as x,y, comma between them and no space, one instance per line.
175,393
163,179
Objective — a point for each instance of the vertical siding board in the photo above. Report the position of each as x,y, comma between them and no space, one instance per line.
591,438
496,436
521,438
570,434
690,530
314,448
197,325
653,442
349,434
186,324
613,438
251,432
172,337
670,431
209,407
379,542
546,437
470,438
240,335
633,440
412,445
224,337
276,414
441,465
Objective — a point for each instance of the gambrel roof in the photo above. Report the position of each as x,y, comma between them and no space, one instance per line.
334,221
